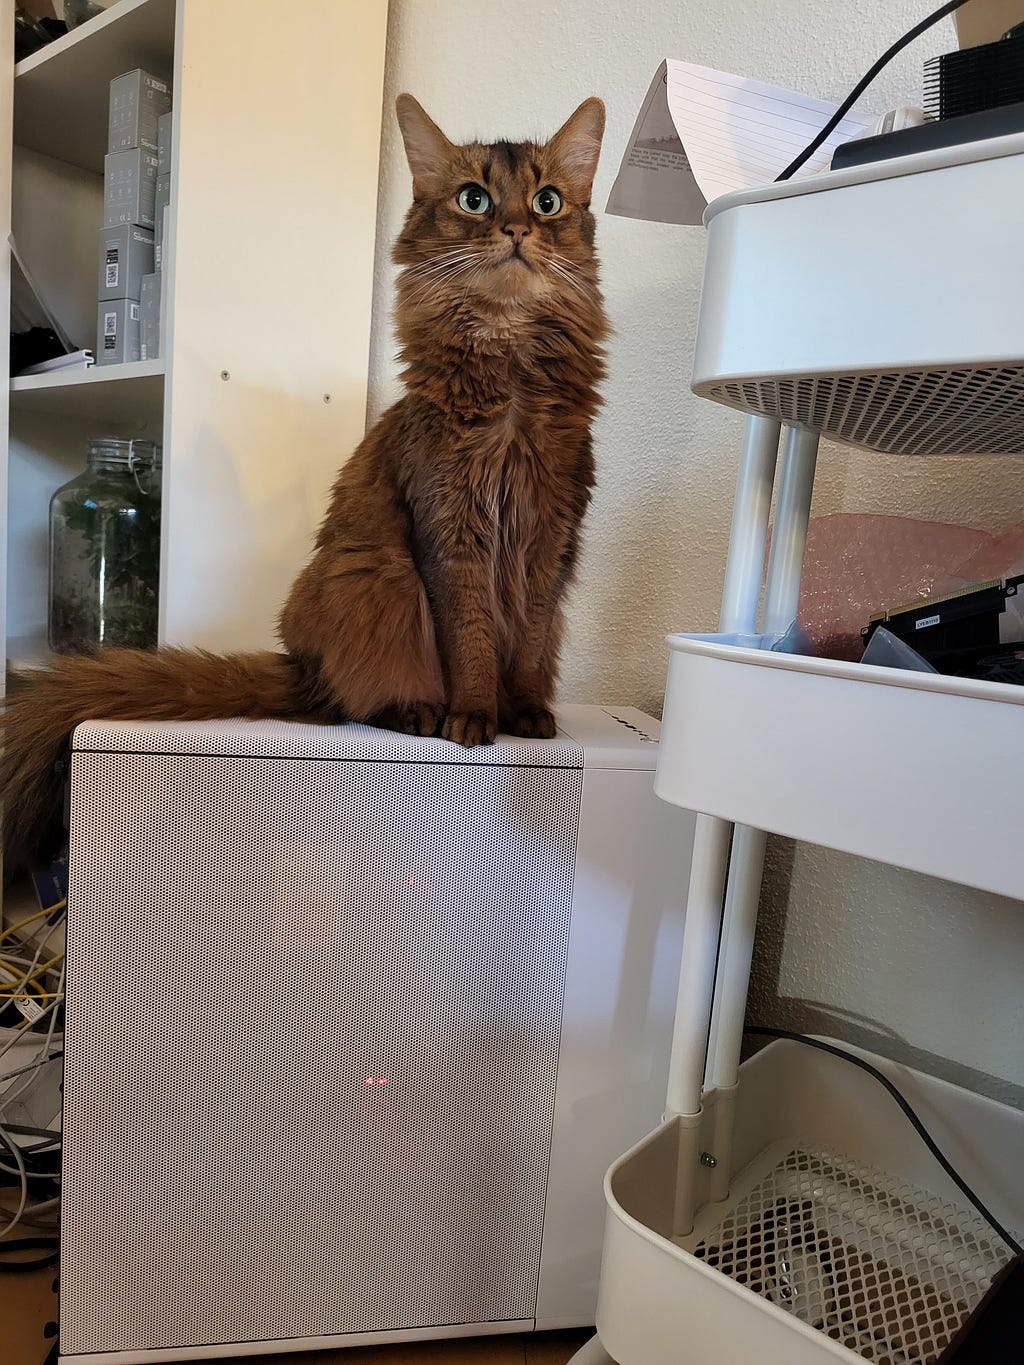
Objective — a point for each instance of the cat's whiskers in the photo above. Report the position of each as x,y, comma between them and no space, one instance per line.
443,277
471,281
453,268
570,268
569,279
575,269
472,272
436,263
443,262
439,267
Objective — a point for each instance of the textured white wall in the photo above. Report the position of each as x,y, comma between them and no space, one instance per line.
847,935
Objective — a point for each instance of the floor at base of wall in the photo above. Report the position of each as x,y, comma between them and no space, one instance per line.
544,1348
28,1303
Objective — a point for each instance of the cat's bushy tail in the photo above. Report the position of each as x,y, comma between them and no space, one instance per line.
43,707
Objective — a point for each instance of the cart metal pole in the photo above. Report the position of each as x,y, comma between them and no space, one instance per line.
747,538
746,863
748,533
709,869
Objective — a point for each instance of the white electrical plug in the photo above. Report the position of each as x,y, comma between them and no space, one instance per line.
907,116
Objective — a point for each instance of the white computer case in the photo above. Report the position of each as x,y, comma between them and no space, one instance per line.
355,1024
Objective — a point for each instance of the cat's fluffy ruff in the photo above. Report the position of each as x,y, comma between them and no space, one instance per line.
432,602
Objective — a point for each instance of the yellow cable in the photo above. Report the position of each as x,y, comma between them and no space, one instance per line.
29,989
17,973
46,966
13,928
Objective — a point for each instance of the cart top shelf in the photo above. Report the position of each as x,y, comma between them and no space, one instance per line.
988,149
880,306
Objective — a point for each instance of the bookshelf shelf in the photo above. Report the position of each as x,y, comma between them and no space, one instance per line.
132,392
60,92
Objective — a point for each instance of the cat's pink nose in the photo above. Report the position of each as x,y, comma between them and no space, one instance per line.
517,231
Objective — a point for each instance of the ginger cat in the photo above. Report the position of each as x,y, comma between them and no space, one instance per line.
432,603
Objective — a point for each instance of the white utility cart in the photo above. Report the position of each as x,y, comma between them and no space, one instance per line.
786,1212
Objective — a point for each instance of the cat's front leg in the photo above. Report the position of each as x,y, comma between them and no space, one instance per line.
528,684
458,576
467,647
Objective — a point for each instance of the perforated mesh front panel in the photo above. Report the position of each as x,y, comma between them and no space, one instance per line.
875,1263
313,1022
977,411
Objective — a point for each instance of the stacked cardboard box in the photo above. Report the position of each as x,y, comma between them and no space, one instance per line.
152,296
138,102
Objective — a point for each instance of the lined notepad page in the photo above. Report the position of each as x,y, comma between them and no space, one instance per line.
741,133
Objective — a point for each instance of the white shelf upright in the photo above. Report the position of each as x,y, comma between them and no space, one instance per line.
786,1211
260,390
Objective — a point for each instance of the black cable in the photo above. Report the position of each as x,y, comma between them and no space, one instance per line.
919,1127
37,1160
17,1244
9,1176
52,1135
865,81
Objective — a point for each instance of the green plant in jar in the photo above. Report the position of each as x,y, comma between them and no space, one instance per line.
105,550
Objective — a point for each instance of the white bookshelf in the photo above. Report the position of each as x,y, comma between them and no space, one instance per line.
258,287
268,281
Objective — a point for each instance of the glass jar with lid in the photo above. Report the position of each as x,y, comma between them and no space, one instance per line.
105,550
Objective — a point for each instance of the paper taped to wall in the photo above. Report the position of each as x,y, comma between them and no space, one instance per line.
702,133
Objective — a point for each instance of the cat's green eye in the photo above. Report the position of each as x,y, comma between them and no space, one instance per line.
547,202
474,199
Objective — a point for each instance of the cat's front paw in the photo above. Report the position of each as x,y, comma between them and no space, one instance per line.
413,718
532,722
469,728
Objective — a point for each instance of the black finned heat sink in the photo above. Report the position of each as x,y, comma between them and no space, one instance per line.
976,78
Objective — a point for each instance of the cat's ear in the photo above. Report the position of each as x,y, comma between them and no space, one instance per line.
577,144
426,147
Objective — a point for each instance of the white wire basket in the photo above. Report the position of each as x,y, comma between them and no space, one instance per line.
840,1239
873,1262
